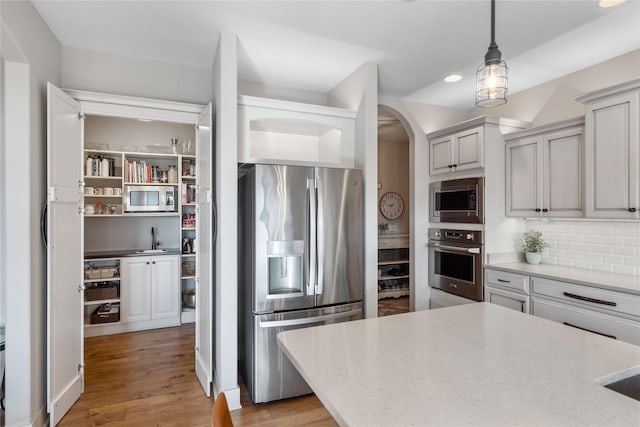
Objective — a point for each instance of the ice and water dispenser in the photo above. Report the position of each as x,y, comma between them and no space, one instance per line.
286,266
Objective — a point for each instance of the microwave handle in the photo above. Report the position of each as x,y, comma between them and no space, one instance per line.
455,248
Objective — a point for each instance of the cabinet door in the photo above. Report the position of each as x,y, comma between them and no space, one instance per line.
524,178
562,174
165,287
612,157
468,149
136,289
65,354
440,155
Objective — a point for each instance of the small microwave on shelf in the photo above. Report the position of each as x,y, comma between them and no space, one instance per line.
150,198
458,201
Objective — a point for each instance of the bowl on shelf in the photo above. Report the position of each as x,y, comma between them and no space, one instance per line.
189,297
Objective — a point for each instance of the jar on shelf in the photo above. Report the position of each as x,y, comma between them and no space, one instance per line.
173,175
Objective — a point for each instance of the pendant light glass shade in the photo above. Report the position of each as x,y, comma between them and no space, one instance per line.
491,84
493,74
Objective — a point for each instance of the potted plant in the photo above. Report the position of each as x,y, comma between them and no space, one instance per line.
533,244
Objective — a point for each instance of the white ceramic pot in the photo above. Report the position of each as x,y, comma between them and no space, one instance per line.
533,257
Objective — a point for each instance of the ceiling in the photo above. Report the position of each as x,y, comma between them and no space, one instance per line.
313,45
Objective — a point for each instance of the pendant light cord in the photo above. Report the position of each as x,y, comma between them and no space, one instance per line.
493,22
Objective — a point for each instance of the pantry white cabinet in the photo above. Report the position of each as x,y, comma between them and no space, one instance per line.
612,151
150,289
544,171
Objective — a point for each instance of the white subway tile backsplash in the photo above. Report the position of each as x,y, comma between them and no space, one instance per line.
625,269
567,262
603,267
631,261
595,245
592,257
613,259
582,247
632,242
623,250
583,264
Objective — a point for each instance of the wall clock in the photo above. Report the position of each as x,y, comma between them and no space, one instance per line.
391,205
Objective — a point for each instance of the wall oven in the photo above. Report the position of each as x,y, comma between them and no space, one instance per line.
458,201
455,262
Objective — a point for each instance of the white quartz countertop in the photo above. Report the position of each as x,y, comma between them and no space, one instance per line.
475,364
598,279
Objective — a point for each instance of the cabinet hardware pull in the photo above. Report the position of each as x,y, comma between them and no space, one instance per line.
504,281
545,210
449,166
587,299
632,209
454,165
147,262
153,262
589,330
538,209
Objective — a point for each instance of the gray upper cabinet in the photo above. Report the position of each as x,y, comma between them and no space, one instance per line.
544,171
612,151
457,151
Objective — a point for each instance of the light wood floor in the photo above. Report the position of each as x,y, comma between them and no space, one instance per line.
147,379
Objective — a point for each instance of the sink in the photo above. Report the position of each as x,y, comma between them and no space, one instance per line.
626,383
151,251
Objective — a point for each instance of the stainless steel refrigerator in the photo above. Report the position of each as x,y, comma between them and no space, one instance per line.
300,264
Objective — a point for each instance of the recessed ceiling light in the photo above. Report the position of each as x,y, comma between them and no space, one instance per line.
145,120
610,3
453,78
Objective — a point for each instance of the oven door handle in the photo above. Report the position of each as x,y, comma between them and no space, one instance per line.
455,248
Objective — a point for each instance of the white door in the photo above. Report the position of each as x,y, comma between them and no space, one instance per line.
65,333
165,286
205,235
136,288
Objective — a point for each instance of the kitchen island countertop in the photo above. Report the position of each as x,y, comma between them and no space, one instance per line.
475,364
598,279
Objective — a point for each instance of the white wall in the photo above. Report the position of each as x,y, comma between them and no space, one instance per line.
225,334
278,92
25,33
119,75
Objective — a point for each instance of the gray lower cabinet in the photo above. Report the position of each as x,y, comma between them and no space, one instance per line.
510,290
605,312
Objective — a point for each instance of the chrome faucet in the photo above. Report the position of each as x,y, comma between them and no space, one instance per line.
154,243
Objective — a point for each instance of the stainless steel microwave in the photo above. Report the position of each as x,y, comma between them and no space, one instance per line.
150,198
457,201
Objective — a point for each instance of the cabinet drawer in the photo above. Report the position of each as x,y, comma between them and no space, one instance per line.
502,297
518,282
587,296
591,321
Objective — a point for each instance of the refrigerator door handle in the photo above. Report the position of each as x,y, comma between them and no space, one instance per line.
308,320
311,191
320,237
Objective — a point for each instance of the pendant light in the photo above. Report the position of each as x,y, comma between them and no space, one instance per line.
492,75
